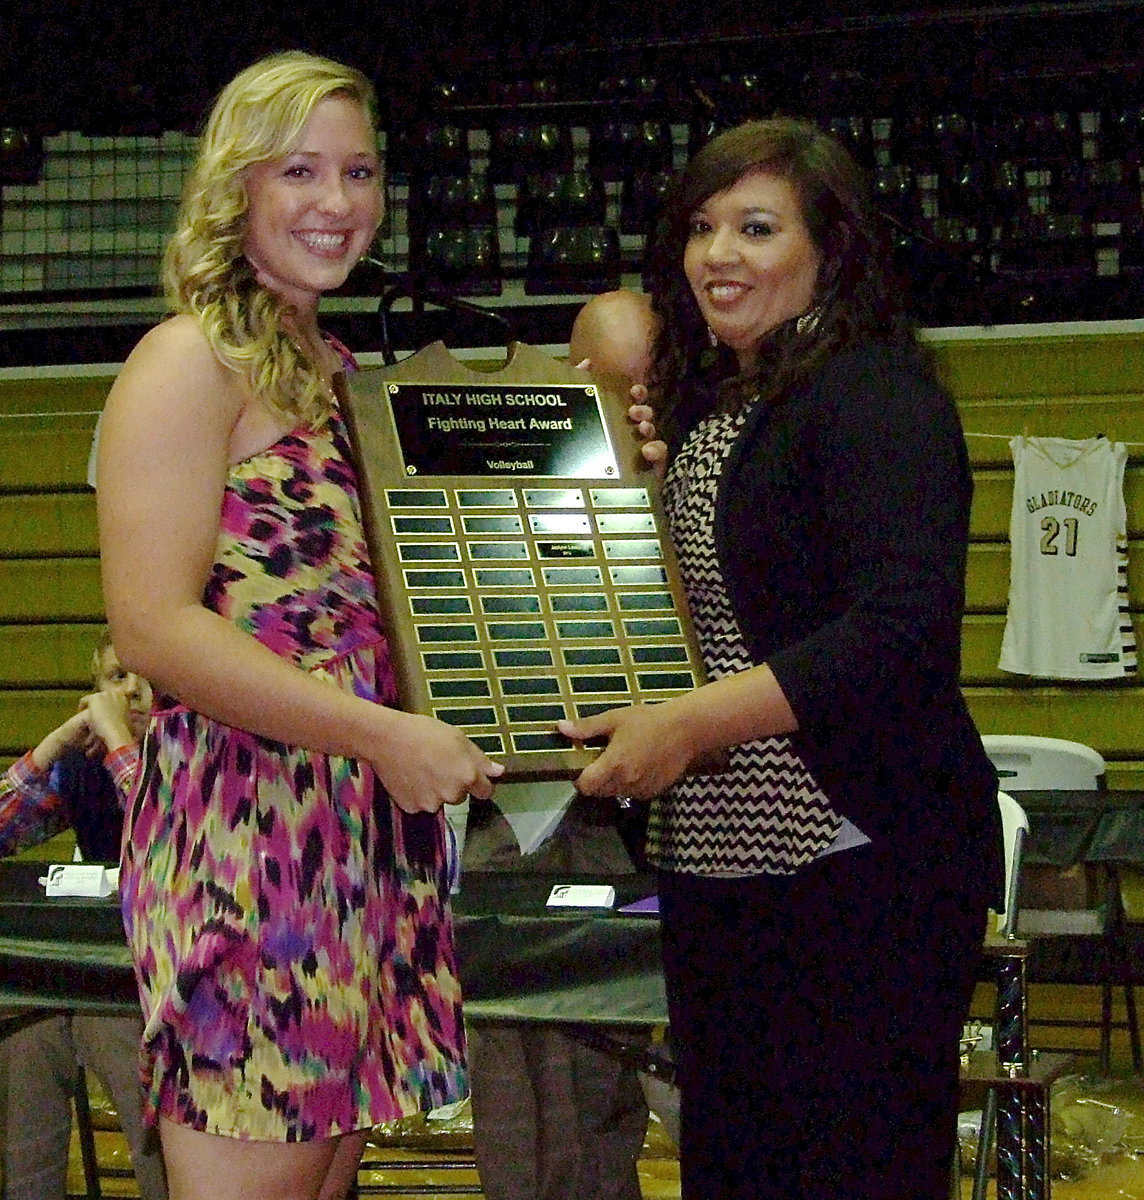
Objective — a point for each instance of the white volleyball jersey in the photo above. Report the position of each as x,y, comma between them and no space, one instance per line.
1068,580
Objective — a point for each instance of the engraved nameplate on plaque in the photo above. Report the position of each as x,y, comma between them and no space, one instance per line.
522,558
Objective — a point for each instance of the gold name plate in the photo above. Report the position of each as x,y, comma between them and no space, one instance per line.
521,553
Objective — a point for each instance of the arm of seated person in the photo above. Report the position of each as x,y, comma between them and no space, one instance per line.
31,811
109,717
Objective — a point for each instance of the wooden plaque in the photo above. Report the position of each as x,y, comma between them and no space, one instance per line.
522,558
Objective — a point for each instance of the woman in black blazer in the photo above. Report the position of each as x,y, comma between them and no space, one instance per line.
824,894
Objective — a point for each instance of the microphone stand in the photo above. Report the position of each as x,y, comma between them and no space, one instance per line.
422,294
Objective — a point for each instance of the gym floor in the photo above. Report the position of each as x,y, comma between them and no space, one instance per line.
1098,1131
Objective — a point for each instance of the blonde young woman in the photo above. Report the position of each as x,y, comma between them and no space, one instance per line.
284,869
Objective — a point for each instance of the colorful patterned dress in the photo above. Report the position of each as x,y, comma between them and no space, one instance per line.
289,924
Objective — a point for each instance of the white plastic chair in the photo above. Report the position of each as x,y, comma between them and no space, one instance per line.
1014,830
1025,762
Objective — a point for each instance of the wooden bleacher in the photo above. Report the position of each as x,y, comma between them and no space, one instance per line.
1068,381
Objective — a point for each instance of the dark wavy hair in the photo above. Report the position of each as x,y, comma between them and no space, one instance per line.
855,297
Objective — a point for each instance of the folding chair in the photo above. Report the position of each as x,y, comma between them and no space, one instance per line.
1031,763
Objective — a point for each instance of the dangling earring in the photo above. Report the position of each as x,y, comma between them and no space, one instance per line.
808,322
712,340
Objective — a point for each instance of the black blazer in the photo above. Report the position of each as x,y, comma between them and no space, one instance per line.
841,525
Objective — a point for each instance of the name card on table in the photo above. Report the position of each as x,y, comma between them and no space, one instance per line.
80,879
581,895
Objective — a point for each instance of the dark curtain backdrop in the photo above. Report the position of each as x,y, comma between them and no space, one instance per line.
121,66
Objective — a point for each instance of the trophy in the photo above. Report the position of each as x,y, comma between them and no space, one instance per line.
521,554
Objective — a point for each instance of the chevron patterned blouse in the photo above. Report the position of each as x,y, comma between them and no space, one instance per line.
766,814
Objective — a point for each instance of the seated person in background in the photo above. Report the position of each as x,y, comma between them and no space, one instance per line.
553,1117
79,775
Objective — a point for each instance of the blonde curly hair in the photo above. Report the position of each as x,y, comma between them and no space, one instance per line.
259,116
